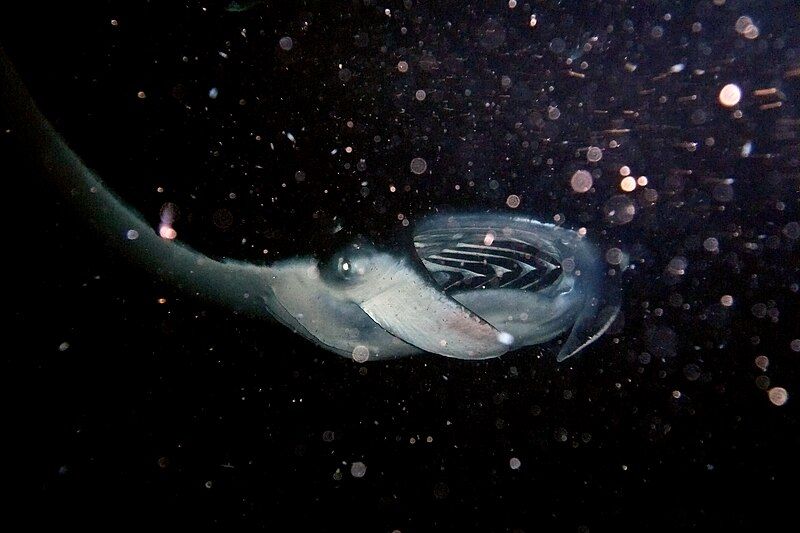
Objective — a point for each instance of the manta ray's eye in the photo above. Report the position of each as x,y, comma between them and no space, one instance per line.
349,268
350,264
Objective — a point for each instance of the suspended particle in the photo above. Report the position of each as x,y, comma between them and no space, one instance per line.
628,184
792,230
677,266
360,354
614,256
594,154
742,23
581,181
730,95
619,209
418,165
358,469
506,338
751,32
167,232
778,396
711,244
286,43
722,192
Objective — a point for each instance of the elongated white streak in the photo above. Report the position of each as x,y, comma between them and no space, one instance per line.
467,273
524,266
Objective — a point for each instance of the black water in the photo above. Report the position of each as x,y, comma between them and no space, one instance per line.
124,410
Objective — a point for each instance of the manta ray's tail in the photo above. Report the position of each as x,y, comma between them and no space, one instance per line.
239,286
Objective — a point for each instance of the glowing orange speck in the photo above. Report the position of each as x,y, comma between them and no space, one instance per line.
167,232
627,184
730,95
778,395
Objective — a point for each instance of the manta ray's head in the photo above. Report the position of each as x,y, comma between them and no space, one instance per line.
357,268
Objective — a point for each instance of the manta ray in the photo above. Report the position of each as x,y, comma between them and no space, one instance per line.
470,286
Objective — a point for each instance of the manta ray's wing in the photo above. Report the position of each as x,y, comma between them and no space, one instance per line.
411,307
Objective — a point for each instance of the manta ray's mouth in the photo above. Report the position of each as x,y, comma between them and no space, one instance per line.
482,258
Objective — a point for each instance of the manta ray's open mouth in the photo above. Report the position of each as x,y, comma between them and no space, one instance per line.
482,258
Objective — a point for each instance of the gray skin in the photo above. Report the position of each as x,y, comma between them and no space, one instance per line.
361,302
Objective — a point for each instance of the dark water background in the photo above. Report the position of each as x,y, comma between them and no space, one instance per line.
180,414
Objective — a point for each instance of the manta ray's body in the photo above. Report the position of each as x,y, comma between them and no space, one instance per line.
472,286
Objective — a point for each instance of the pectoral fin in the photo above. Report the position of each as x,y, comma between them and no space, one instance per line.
418,313
593,322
